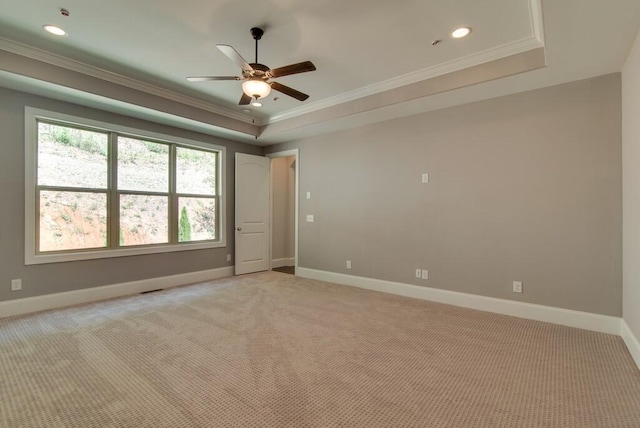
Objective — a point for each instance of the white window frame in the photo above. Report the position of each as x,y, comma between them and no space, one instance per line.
32,115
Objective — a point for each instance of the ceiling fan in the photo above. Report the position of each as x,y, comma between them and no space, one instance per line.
256,76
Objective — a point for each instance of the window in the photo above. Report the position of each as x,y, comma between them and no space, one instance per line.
98,190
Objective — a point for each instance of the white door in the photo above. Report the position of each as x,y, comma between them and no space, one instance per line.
252,213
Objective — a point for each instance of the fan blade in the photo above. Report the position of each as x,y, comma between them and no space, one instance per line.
288,91
301,67
245,99
234,56
205,78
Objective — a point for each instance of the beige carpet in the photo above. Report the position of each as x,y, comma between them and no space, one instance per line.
274,350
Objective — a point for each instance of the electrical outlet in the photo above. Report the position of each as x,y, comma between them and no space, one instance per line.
425,274
228,257
517,286
418,273
348,264
425,178
16,284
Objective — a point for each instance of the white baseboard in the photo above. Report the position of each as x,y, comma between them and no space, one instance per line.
567,317
289,261
632,342
57,300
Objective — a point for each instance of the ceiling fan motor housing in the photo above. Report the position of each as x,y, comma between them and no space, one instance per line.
259,71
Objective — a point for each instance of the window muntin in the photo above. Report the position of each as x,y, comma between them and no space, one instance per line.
99,190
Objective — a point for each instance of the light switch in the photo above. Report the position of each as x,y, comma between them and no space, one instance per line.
425,178
308,195
309,218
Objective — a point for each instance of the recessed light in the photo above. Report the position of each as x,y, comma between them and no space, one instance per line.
256,104
55,30
461,32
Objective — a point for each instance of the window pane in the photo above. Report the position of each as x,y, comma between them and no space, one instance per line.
71,157
142,165
195,171
197,221
143,219
72,220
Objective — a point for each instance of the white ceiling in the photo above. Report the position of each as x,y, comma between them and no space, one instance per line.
360,48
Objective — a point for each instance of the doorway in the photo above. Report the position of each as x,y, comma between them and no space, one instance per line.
285,168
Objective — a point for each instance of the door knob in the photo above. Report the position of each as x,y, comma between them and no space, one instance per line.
238,229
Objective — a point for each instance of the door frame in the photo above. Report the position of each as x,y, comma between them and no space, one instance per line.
284,154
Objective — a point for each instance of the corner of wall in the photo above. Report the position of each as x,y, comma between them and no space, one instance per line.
631,201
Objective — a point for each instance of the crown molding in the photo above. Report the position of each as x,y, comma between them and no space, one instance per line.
109,76
534,41
537,20
478,58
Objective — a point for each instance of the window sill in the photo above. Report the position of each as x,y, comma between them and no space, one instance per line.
35,259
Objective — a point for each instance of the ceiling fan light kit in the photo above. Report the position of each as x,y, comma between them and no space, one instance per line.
257,76
256,88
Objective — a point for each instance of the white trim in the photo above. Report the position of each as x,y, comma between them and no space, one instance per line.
271,266
537,20
567,317
296,153
30,173
287,261
535,40
58,300
632,342
119,79
475,59
31,114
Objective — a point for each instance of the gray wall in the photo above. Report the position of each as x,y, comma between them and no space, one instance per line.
524,187
283,204
631,186
58,277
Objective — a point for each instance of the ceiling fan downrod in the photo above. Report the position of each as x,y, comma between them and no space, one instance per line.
257,33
